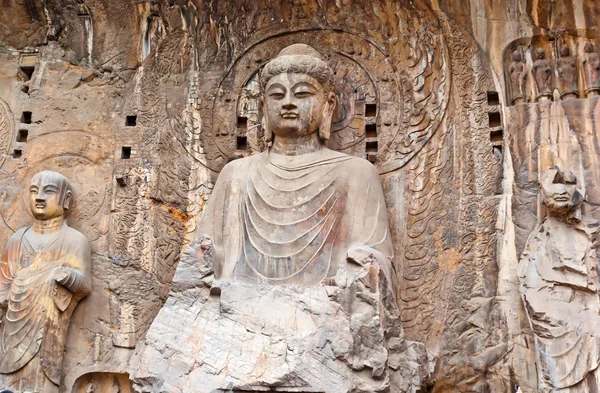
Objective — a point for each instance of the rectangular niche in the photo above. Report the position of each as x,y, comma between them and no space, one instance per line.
493,98
494,119
26,117
242,122
17,153
131,121
371,130
497,136
372,147
242,143
125,152
22,135
370,110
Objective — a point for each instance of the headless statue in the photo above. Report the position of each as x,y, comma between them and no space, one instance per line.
44,272
543,76
518,78
559,287
567,72
591,70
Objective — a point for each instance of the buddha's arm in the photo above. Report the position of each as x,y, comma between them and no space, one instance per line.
6,279
76,274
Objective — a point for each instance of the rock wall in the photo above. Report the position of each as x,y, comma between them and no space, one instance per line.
140,105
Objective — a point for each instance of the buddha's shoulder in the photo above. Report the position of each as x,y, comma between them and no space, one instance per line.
74,236
358,165
240,165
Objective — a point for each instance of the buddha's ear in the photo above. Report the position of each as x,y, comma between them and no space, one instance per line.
67,200
265,122
328,108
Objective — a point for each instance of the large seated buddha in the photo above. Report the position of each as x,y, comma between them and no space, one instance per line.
289,286
290,214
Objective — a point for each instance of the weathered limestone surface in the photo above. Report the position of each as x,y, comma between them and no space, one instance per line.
141,105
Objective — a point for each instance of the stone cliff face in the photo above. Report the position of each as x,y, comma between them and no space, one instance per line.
141,104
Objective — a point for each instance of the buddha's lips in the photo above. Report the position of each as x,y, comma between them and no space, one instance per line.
289,115
40,205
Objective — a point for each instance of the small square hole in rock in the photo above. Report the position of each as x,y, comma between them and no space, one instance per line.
242,122
493,98
497,136
242,143
26,118
371,130
22,135
26,72
131,121
497,151
370,110
494,119
372,147
17,153
125,152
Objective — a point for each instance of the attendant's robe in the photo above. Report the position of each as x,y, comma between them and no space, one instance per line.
277,219
559,286
34,329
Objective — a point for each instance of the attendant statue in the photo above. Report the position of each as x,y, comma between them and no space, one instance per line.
559,286
543,76
518,78
303,293
44,272
567,72
591,70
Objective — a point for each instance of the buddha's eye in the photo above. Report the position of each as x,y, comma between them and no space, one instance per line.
303,94
277,95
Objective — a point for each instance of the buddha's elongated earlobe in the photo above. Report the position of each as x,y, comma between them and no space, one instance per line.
265,123
67,200
328,108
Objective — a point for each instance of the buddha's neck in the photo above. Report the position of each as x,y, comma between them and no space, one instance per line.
293,146
48,226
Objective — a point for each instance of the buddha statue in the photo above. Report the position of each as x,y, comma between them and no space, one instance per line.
559,287
290,214
44,272
289,285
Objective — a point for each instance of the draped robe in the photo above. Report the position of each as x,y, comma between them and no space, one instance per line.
559,286
33,331
277,219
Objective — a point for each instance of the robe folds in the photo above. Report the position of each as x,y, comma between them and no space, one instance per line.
277,219
38,309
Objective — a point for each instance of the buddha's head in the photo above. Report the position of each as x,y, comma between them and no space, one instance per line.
560,192
49,195
297,93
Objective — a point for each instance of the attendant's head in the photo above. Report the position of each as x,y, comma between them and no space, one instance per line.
297,93
49,195
560,193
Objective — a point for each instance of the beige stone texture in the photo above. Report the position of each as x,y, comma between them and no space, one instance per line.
142,104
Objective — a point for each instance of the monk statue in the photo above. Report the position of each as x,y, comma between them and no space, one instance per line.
518,78
543,76
591,70
44,272
559,286
567,72
302,294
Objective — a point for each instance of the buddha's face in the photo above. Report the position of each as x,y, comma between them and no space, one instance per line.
295,104
559,191
46,198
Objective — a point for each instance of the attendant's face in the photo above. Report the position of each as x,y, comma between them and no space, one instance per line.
295,104
45,198
559,191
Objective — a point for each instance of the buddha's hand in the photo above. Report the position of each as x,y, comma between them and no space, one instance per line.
61,275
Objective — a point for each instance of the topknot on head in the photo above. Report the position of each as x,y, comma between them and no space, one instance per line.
298,59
